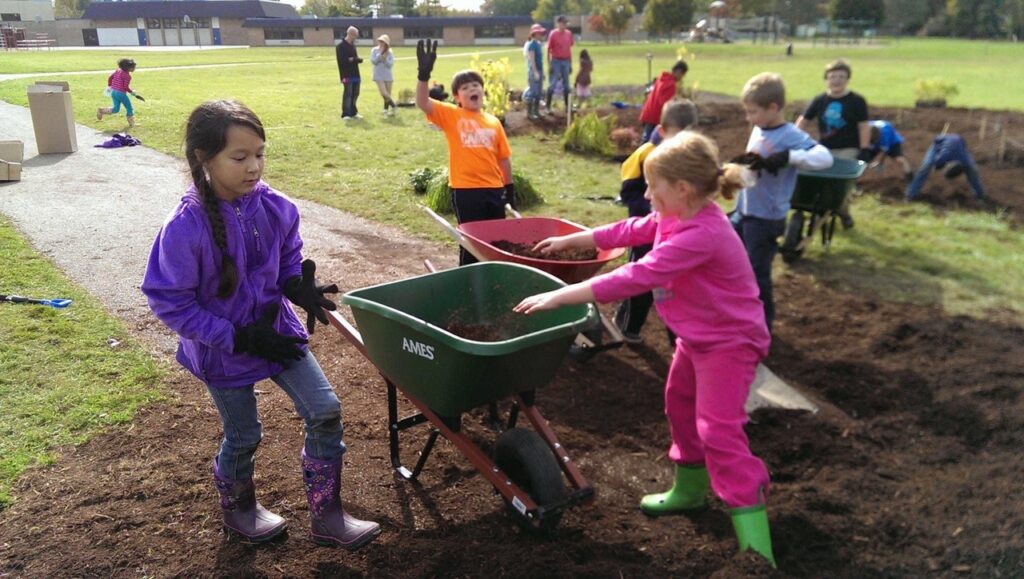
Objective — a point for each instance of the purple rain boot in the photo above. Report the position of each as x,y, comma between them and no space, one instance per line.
243,514
332,526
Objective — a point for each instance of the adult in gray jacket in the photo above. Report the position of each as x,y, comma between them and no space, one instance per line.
383,60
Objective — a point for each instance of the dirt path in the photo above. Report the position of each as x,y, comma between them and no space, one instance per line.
912,469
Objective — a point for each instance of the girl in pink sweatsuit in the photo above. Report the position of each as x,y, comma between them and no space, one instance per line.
705,291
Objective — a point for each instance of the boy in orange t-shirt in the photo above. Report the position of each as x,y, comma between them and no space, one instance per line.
480,163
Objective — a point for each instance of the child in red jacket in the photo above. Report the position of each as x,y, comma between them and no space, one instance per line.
664,90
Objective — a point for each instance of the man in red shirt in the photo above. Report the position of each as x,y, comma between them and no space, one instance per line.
560,43
664,90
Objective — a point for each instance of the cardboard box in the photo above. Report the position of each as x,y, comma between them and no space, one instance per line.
10,171
53,117
12,151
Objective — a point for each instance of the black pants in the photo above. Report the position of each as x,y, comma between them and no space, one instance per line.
761,239
349,96
477,205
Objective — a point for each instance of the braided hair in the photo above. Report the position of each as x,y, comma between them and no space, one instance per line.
207,131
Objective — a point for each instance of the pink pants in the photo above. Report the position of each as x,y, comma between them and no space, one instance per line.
704,402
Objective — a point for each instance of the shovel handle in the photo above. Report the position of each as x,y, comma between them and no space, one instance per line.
55,303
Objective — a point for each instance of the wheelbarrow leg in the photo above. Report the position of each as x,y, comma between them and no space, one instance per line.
395,426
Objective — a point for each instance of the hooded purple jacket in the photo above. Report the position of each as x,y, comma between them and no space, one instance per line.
184,272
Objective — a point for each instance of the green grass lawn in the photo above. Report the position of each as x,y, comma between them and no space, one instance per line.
966,262
64,374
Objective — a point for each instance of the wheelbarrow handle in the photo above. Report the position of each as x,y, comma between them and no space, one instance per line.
513,212
455,233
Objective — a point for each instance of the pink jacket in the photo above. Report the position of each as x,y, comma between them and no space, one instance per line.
703,283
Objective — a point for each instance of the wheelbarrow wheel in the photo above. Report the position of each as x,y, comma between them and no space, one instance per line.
584,354
524,456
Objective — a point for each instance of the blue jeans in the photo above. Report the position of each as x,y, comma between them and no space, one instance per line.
349,96
559,68
119,99
760,238
536,87
926,168
304,382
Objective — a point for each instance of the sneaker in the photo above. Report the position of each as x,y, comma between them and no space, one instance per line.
358,116
99,114
848,222
344,118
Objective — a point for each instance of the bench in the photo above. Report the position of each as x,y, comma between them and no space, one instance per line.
38,43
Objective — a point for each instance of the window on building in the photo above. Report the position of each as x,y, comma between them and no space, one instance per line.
10,17
200,22
365,33
171,22
152,23
495,31
282,33
417,32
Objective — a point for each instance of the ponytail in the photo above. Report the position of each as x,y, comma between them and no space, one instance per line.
228,270
731,179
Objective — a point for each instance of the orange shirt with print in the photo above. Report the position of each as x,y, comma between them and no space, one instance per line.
476,143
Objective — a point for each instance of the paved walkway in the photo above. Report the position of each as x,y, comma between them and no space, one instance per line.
96,212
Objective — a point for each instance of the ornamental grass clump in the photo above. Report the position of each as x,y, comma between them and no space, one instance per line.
439,194
590,135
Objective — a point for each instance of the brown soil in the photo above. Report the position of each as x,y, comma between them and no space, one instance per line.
723,119
476,332
526,250
912,467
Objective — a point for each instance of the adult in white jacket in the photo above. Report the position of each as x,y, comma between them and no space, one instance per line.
383,60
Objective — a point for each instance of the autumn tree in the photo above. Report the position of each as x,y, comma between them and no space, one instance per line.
508,7
668,16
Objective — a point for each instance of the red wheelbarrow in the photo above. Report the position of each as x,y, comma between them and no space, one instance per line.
405,330
478,238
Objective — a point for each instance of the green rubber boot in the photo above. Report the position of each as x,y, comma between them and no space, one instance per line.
689,492
752,532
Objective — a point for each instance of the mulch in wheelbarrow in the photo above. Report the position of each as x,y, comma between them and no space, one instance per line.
526,250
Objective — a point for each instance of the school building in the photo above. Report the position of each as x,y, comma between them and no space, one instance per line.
260,23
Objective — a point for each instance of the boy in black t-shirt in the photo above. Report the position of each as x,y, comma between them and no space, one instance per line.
842,117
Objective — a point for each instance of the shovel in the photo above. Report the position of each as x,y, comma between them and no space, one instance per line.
55,303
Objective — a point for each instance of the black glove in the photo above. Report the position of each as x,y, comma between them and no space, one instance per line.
309,295
865,155
772,163
138,96
510,195
359,61
262,340
426,55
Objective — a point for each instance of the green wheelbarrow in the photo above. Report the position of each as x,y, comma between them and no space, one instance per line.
820,194
405,328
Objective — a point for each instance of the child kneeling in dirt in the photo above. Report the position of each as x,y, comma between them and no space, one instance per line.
480,160
677,115
886,141
704,289
218,275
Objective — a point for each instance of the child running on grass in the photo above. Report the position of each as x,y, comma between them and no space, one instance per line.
704,289
219,273
119,82
480,160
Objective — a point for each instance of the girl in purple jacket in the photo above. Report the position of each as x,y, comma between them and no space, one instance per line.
218,275
704,289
